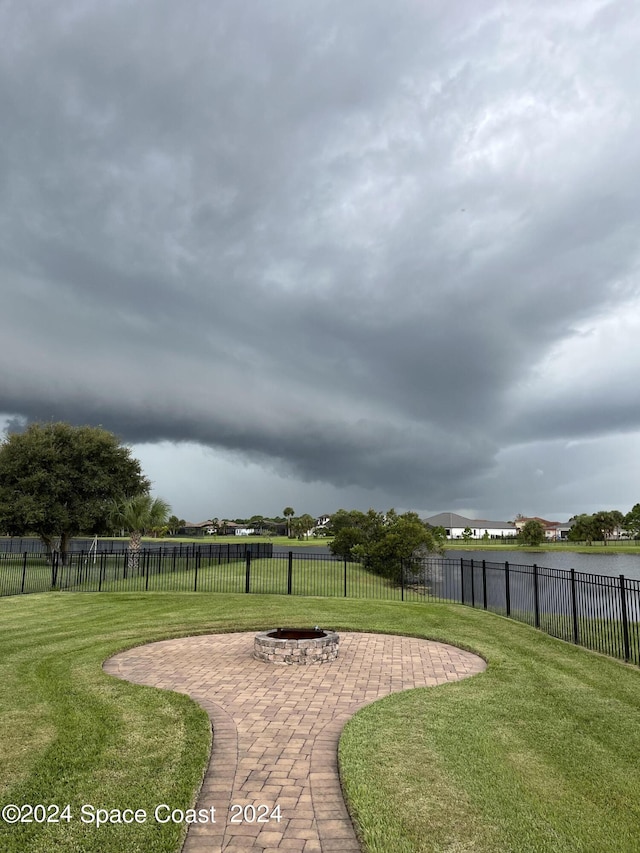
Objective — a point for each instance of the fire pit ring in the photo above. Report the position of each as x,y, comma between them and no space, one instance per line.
296,646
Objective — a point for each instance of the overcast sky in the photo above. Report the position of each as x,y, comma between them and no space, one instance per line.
329,254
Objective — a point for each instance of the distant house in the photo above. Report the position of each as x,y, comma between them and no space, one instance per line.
553,530
455,525
244,531
322,521
273,528
198,528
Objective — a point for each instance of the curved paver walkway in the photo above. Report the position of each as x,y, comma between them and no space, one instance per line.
276,728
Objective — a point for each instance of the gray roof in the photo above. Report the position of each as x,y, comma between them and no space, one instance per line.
452,519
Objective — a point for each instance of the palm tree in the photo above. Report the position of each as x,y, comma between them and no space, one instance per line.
288,513
136,515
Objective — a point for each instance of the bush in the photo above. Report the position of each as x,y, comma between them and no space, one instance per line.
384,543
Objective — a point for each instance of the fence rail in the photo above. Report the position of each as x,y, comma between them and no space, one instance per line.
35,545
596,611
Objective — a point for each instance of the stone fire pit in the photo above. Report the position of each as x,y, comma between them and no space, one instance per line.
296,646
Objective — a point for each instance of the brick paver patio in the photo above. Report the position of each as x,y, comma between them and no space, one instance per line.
276,728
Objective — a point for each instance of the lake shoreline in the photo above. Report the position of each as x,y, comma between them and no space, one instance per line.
588,561
548,547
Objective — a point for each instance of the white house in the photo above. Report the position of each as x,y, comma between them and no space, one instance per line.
320,526
455,525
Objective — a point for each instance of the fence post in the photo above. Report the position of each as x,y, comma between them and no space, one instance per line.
536,599
461,580
484,583
146,570
24,571
54,568
625,618
401,579
345,577
473,592
290,573
100,575
574,606
507,588
247,580
195,576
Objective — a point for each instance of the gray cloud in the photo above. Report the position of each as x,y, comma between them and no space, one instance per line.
350,241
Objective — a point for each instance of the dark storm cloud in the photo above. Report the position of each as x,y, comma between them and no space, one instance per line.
341,237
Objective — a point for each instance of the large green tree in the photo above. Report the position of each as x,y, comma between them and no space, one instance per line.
386,543
58,480
584,529
138,514
597,527
369,525
608,521
532,532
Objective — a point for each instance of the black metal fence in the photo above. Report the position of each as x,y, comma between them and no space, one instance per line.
599,612
121,569
596,611
35,545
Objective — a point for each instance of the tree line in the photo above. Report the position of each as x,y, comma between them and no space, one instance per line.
604,525
595,527
58,481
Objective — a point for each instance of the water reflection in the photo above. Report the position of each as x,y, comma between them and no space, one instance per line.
612,564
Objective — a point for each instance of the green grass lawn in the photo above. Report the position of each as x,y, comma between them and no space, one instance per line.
539,753
267,576
109,573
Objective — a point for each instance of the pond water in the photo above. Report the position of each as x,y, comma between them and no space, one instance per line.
612,564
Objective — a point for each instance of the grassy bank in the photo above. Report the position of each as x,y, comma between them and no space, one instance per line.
540,753
281,542
109,573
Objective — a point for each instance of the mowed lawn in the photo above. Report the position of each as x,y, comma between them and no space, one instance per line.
306,575
539,753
